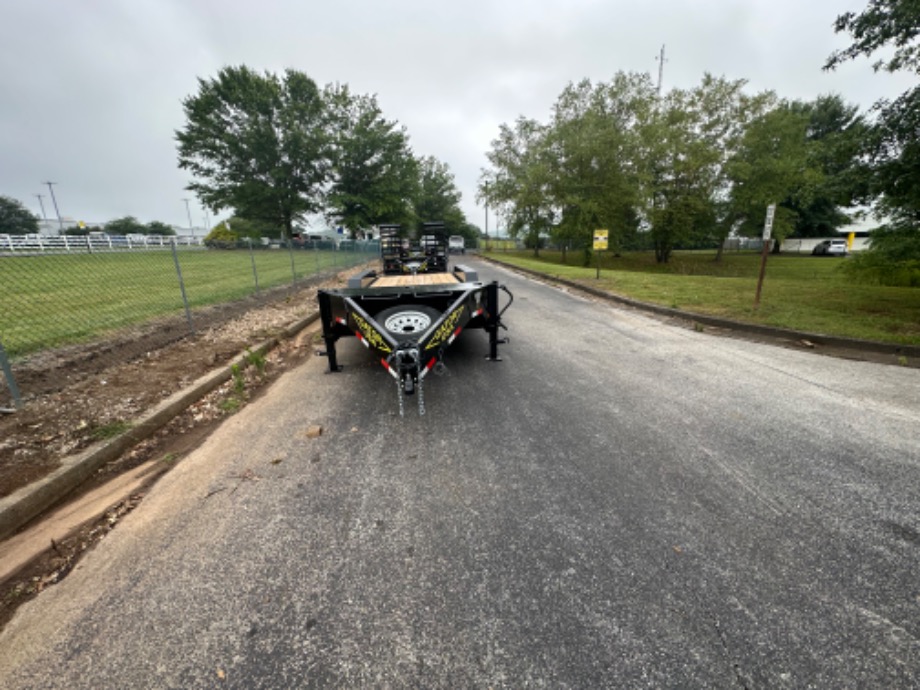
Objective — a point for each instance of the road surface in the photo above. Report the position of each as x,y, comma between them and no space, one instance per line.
619,503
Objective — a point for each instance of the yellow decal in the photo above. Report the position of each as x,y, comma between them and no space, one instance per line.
370,335
445,329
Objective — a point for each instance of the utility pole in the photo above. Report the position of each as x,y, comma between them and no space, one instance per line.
189,212
661,61
51,189
42,204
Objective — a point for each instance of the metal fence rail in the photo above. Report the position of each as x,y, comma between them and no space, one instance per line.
61,297
98,242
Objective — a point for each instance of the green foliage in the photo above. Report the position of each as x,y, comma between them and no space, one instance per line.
894,258
438,198
882,24
375,175
682,169
803,293
256,144
129,225
257,360
110,430
892,145
157,228
15,219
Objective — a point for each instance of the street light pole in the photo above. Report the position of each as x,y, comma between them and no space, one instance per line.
42,204
189,212
51,189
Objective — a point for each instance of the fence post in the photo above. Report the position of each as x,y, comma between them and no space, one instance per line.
252,259
188,313
10,381
290,245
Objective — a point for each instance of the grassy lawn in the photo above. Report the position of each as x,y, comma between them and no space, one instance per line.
800,292
54,299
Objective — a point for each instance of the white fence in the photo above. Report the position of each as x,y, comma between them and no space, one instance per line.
101,241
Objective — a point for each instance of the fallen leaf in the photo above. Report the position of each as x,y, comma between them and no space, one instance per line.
314,431
277,461
221,674
807,343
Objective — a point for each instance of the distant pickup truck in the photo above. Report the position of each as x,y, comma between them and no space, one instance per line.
456,243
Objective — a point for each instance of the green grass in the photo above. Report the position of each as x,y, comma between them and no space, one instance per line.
54,299
803,293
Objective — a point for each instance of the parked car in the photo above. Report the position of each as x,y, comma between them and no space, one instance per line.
830,248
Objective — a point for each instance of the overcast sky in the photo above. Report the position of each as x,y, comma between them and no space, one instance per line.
91,90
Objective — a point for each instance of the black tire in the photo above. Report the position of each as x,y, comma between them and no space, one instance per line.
406,322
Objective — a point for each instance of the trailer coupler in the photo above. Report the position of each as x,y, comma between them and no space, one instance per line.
403,365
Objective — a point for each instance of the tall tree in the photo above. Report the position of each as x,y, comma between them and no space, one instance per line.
15,219
257,144
438,198
773,163
374,173
893,145
518,184
592,150
834,136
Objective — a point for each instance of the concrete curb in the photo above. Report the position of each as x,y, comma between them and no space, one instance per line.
865,346
30,501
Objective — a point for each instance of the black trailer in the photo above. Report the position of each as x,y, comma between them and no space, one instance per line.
411,312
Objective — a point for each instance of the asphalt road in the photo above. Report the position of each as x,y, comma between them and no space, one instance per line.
619,503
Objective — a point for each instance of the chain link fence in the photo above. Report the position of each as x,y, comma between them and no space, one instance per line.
82,300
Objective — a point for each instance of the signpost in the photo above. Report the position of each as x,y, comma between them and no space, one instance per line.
600,244
767,233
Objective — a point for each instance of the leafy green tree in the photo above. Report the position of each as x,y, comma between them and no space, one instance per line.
15,219
257,143
835,135
156,227
374,173
518,184
128,225
591,150
773,163
892,146
438,198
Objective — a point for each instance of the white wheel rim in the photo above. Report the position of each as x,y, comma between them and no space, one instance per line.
408,322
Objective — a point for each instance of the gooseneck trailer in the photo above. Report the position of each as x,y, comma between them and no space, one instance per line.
413,310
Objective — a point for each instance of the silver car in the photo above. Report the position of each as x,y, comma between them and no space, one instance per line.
830,248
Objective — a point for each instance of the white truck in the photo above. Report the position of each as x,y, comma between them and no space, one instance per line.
456,243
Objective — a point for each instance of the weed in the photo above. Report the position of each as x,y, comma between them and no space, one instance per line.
902,360
110,430
257,360
230,405
239,383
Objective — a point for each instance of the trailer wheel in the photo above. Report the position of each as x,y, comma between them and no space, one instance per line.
407,321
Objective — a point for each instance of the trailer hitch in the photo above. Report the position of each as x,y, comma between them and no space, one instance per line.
403,363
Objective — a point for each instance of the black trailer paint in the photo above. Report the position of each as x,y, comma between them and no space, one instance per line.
411,323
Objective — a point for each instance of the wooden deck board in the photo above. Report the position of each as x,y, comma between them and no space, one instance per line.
417,279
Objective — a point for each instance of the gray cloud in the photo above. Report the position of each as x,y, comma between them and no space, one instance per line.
90,92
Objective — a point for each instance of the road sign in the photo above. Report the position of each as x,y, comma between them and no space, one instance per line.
768,223
600,239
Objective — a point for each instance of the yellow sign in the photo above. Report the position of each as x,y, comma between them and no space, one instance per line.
600,239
